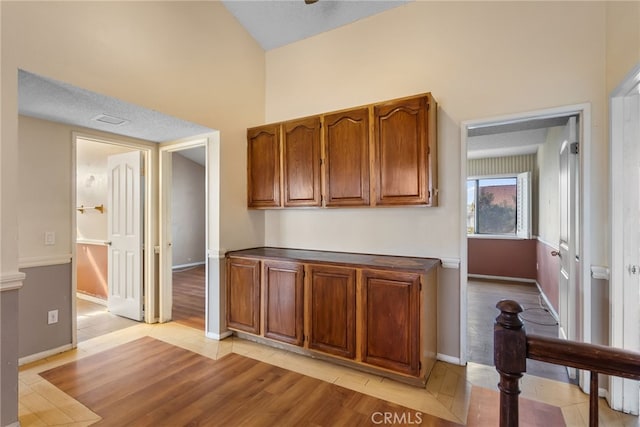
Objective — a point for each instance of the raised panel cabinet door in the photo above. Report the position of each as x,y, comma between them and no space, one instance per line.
333,310
391,313
401,152
243,294
284,301
263,166
301,161
346,145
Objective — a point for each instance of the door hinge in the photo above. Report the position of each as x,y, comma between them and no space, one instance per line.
575,147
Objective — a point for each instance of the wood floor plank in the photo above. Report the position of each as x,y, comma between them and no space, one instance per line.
153,383
189,297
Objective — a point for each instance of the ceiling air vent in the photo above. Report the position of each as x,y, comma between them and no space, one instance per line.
111,120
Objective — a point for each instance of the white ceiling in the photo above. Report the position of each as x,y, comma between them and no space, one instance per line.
275,23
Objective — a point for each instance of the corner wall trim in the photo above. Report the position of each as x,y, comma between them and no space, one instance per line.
449,359
450,263
44,354
219,337
599,272
554,313
12,281
219,253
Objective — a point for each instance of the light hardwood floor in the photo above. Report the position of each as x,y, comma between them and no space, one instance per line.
453,393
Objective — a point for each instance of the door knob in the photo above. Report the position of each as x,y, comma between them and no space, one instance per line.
555,253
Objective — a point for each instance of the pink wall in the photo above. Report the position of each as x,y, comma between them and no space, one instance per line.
548,271
92,270
502,257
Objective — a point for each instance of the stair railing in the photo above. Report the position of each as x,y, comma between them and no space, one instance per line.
513,346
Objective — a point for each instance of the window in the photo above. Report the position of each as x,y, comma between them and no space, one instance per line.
499,205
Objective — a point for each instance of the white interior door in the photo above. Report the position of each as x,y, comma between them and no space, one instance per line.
625,245
124,219
567,247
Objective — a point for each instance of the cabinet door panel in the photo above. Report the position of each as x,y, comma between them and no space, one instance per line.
301,157
263,166
346,141
284,301
333,309
401,133
391,309
243,294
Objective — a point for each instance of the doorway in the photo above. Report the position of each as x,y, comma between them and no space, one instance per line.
625,249
91,233
501,148
184,231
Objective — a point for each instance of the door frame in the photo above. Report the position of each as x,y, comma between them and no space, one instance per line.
584,250
165,263
148,238
623,395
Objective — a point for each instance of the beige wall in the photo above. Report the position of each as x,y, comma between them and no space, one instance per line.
623,40
188,211
191,60
479,60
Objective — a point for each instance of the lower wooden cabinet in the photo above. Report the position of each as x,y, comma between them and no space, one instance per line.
283,301
391,316
243,294
372,312
332,307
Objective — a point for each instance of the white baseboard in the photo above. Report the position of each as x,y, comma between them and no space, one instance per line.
219,337
43,355
449,359
193,264
552,309
91,298
510,279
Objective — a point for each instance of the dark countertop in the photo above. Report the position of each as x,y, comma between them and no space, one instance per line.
348,259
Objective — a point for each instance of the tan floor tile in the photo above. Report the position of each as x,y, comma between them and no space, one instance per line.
45,410
74,409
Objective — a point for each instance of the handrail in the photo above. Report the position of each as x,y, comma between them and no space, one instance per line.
512,346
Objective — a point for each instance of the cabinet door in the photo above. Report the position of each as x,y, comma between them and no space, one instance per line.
284,301
301,158
400,139
391,314
346,145
332,310
243,294
263,166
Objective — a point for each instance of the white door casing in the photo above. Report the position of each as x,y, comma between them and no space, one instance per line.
124,219
624,395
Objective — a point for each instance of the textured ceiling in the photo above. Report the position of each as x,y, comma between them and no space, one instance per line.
56,101
275,23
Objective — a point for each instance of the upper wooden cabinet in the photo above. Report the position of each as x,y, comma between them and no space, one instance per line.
383,154
263,166
301,162
346,158
401,143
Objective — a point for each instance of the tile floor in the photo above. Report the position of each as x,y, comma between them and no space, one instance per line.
94,320
447,394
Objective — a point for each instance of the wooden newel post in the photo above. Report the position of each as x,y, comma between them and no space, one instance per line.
510,358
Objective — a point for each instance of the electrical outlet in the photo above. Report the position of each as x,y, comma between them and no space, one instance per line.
49,238
52,317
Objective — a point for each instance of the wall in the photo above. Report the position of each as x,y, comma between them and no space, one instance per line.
507,258
479,60
191,60
188,212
